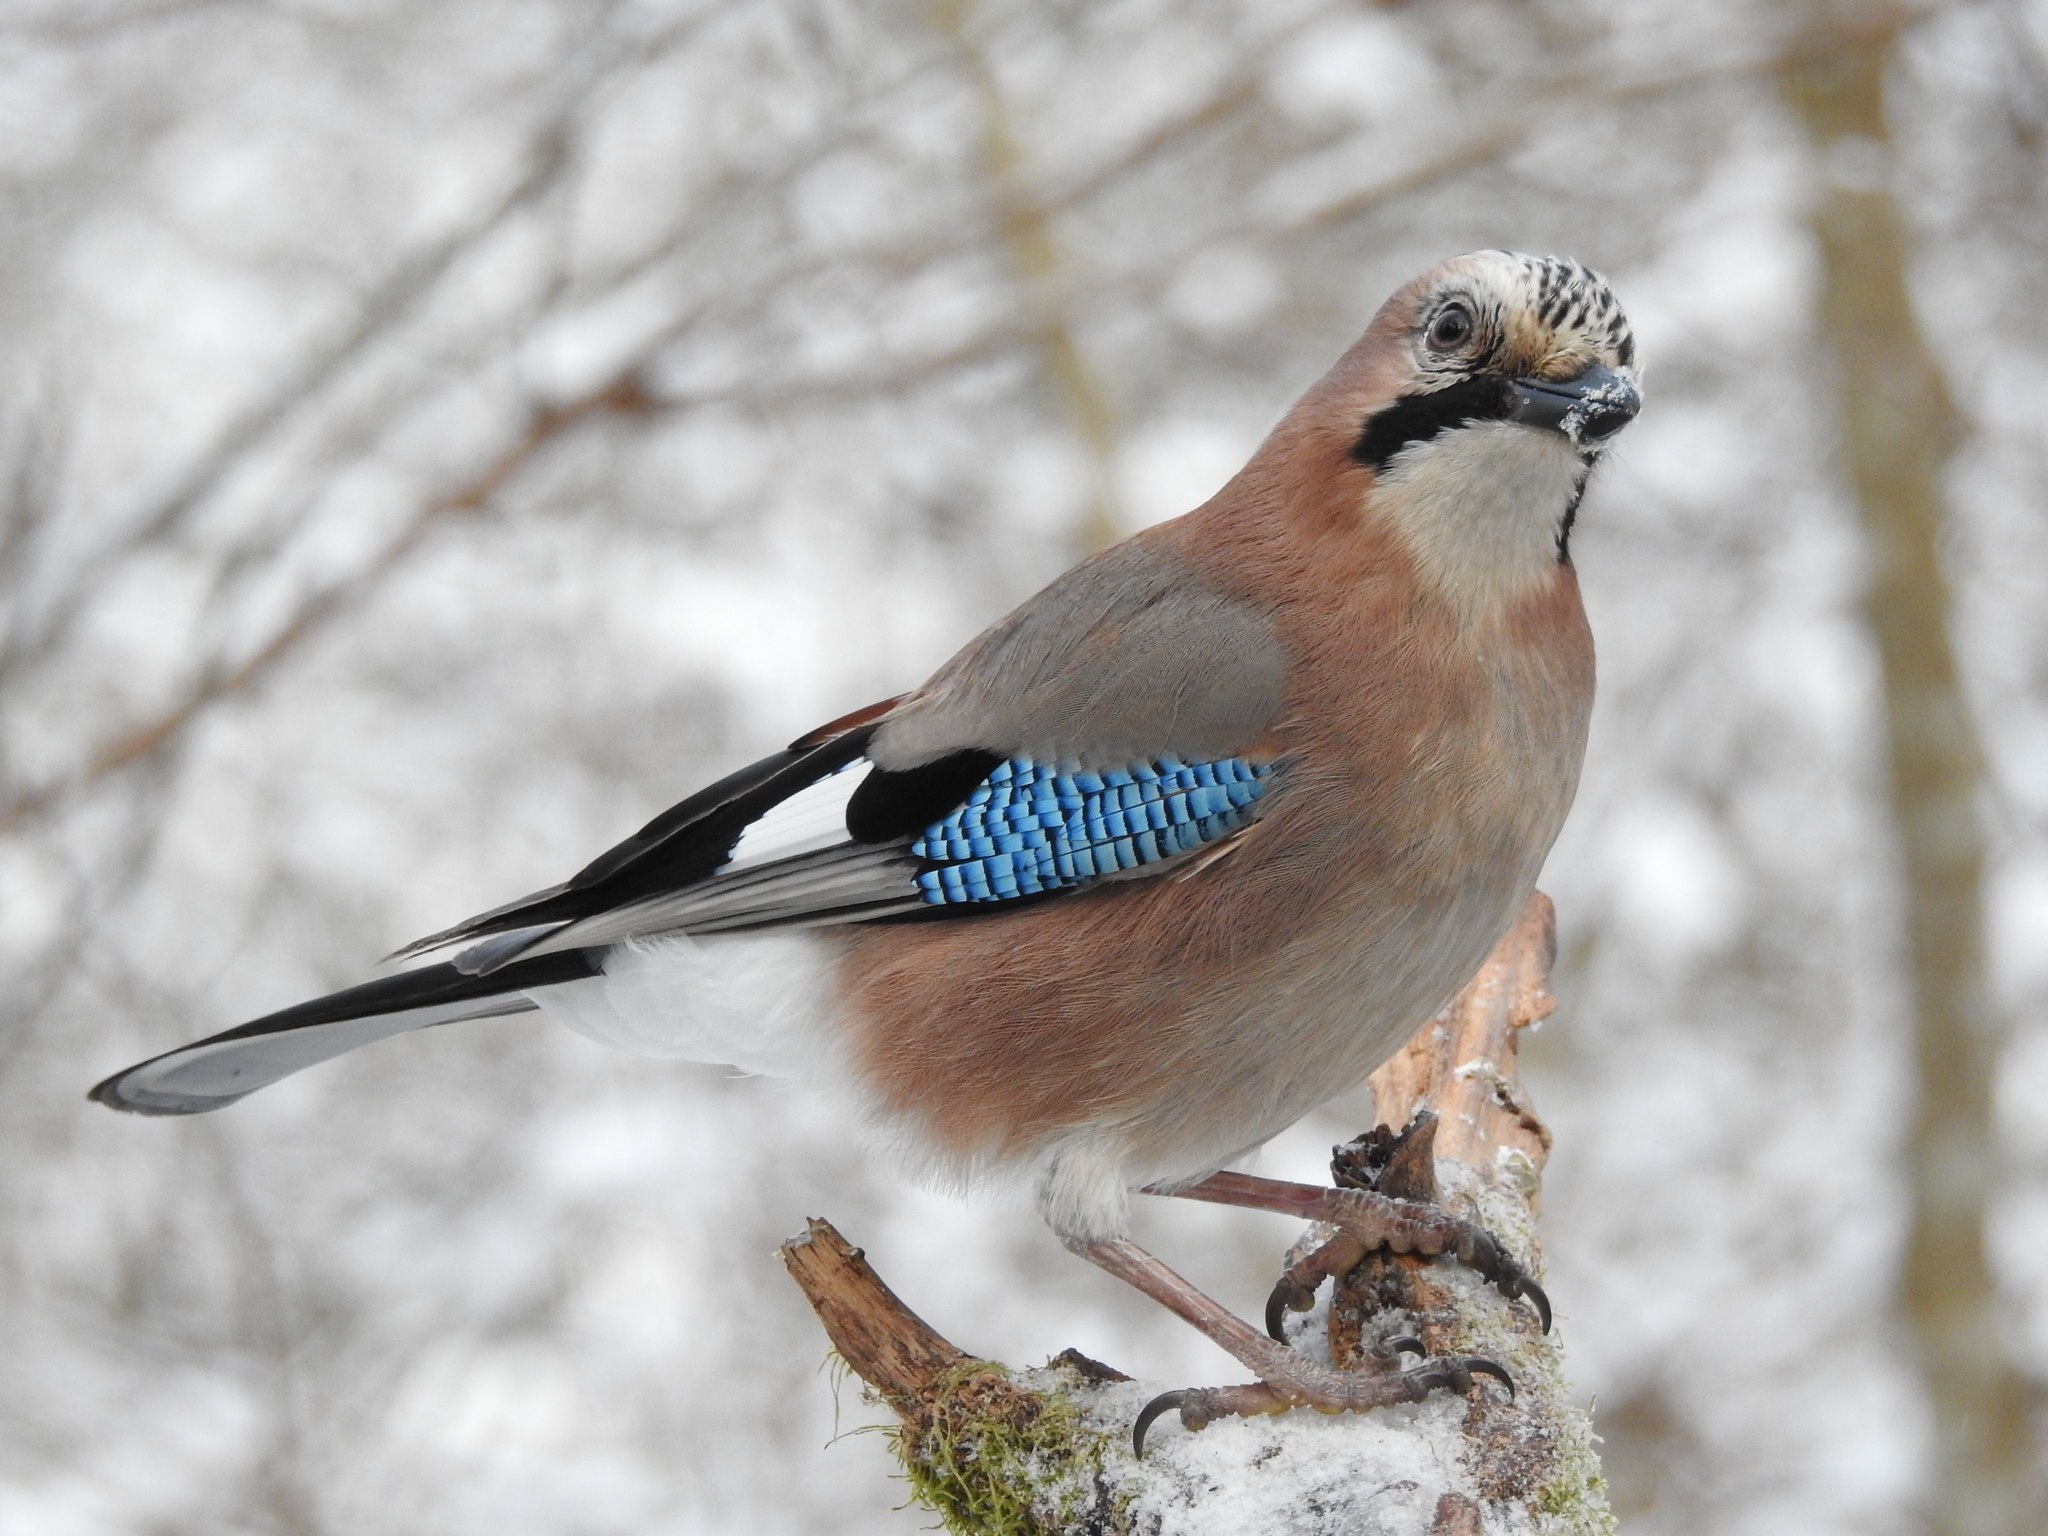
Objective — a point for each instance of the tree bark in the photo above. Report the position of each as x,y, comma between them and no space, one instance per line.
995,1449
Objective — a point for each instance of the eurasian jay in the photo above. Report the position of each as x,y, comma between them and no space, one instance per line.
1184,846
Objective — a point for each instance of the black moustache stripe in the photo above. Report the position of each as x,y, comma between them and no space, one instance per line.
1418,418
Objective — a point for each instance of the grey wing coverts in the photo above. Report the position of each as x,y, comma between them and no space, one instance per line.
1121,660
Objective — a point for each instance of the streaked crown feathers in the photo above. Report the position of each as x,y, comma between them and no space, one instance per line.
1537,316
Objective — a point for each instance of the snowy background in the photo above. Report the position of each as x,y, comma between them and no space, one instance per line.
434,438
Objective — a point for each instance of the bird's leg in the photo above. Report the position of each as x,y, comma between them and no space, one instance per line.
1370,1219
1287,1379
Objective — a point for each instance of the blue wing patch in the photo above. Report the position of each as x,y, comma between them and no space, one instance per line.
1033,828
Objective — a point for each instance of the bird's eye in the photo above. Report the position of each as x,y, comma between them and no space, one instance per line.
1451,329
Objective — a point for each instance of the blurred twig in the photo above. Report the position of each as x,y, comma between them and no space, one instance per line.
622,394
387,304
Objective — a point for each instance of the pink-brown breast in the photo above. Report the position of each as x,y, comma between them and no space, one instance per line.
1189,1015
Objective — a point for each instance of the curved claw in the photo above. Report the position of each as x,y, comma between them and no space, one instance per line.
1150,1413
1403,1344
1481,1251
1276,1312
1288,1296
1479,1365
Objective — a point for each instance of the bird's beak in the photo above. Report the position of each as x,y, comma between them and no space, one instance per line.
1587,409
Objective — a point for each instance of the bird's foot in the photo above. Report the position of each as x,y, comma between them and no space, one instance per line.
1287,1379
1367,1221
1386,1199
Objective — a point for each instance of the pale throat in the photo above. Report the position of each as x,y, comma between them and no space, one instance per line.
1480,508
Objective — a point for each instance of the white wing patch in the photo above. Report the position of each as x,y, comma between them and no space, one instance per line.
809,821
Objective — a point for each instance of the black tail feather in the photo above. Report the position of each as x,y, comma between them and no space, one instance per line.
220,1069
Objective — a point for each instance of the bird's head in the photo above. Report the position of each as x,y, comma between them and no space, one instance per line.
1496,336
1480,399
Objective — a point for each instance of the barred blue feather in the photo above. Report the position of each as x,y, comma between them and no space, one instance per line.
1033,828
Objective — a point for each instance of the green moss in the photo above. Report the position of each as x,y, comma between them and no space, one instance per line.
1574,1502
991,1458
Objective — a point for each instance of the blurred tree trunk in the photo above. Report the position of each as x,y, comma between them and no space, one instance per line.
1898,427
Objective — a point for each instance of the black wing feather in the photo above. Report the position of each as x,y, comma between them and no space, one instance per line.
888,806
